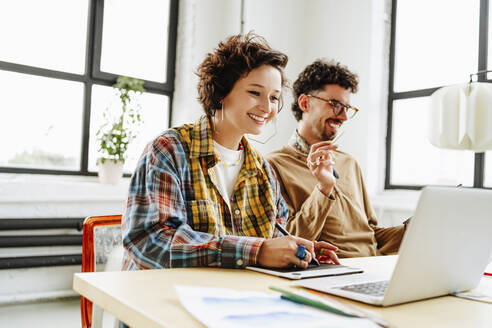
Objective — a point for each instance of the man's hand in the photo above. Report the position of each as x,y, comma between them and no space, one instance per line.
320,163
326,252
281,252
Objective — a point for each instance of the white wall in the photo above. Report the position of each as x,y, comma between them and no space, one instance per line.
202,24
351,31
280,23
355,33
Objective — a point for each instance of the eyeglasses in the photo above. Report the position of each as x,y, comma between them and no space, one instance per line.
339,107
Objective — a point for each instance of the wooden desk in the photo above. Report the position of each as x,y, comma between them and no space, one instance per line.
147,299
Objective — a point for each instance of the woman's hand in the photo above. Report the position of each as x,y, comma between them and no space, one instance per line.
281,252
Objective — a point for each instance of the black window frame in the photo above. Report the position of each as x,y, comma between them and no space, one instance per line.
94,76
479,165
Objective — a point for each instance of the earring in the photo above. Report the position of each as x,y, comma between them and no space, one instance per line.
216,125
270,137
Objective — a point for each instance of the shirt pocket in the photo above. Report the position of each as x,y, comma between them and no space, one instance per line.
205,217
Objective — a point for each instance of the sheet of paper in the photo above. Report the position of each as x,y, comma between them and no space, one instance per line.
475,296
220,308
489,267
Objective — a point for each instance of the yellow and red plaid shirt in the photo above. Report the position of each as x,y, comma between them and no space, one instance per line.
175,215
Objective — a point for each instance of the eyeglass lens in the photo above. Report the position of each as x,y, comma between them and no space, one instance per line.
338,108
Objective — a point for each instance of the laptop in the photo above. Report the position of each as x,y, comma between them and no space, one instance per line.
445,250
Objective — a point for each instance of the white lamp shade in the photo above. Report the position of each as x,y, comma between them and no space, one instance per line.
461,117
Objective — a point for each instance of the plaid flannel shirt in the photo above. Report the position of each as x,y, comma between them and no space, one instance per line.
175,215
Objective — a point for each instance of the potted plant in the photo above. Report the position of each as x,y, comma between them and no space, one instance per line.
118,130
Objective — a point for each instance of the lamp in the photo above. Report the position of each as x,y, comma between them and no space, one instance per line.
461,116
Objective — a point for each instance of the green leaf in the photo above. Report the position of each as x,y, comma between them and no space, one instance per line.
117,131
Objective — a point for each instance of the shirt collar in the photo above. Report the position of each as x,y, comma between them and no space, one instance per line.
299,143
252,159
202,145
201,139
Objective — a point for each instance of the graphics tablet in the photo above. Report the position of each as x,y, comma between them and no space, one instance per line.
324,270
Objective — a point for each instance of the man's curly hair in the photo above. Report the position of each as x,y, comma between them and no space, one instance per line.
317,75
233,59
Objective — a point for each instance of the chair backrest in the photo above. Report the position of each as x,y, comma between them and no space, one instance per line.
100,236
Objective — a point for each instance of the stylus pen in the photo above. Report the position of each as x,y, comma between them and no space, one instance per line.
286,233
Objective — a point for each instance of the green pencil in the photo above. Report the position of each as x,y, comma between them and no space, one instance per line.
298,297
304,300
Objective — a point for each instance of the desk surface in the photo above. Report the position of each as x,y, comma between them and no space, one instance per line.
147,298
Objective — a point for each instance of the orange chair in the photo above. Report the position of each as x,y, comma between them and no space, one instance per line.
100,235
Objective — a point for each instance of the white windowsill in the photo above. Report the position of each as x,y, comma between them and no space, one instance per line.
404,200
35,195
33,188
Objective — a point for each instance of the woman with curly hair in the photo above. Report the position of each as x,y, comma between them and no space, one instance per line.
201,195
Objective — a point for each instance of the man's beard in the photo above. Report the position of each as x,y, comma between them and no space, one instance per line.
330,135
327,137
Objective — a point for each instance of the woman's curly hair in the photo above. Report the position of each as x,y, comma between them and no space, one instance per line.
233,59
317,75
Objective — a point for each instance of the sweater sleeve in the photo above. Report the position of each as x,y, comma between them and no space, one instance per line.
308,221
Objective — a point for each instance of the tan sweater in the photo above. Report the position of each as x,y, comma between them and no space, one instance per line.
345,219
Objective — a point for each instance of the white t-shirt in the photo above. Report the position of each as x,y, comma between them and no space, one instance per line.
227,169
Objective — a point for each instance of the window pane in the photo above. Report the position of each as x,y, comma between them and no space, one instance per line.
414,161
49,34
41,125
155,114
488,170
135,38
489,51
436,43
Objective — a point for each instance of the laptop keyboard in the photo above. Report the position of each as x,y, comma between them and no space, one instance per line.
377,288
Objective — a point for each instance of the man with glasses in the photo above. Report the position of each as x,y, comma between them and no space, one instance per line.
323,186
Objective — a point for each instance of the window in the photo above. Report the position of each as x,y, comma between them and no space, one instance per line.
40,128
154,109
57,64
433,44
144,59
